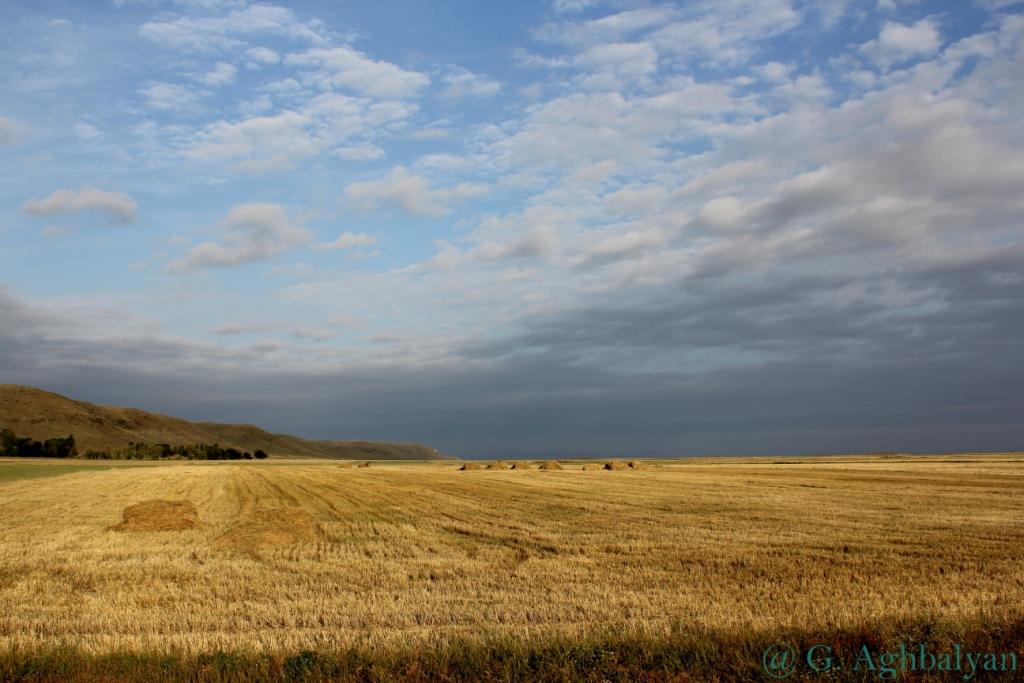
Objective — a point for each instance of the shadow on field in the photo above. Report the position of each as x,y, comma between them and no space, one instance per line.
682,656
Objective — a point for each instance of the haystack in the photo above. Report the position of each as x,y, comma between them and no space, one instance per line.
637,465
550,465
497,465
591,466
364,464
519,465
616,465
159,515
469,466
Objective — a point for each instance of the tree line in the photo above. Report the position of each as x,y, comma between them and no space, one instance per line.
163,451
14,446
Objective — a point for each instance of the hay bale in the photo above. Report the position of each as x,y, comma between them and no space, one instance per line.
497,465
637,465
364,464
591,466
550,465
470,466
519,465
159,515
615,465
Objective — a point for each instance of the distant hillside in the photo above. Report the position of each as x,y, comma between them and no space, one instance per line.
42,415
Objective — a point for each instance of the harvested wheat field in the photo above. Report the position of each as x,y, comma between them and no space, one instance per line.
271,560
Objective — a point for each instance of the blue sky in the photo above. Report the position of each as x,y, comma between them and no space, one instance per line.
573,226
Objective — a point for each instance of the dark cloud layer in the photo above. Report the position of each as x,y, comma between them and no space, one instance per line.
857,378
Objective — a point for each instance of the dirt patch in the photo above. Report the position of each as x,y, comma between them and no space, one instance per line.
616,465
591,466
520,465
270,528
470,466
549,466
497,465
159,515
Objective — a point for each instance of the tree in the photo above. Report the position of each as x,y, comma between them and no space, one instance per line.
260,454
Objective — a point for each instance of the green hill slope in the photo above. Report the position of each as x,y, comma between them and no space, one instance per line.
42,415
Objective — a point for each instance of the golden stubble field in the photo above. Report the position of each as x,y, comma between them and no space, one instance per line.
274,557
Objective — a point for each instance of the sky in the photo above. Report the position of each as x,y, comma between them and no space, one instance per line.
552,227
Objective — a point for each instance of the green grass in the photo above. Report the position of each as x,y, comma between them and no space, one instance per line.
13,470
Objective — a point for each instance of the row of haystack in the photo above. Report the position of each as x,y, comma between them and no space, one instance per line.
551,465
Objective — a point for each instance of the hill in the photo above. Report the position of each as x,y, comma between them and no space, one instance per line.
42,415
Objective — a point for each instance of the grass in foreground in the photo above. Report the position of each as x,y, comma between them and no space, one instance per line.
704,656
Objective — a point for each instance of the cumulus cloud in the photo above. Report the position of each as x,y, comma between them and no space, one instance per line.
350,69
347,240
168,96
901,42
463,83
119,207
259,142
727,243
623,59
263,55
249,232
263,143
410,192
222,73
363,152
227,31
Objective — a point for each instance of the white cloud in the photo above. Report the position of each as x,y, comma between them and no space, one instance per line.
410,192
11,133
52,231
86,131
462,83
168,96
623,59
258,143
348,68
347,240
263,55
722,212
774,72
263,143
249,232
314,335
118,206
619,245
634,200
364,152
571,6
901,42
429,134
725,31
227,31
608,29
222,73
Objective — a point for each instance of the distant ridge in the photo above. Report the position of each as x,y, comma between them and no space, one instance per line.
42,415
